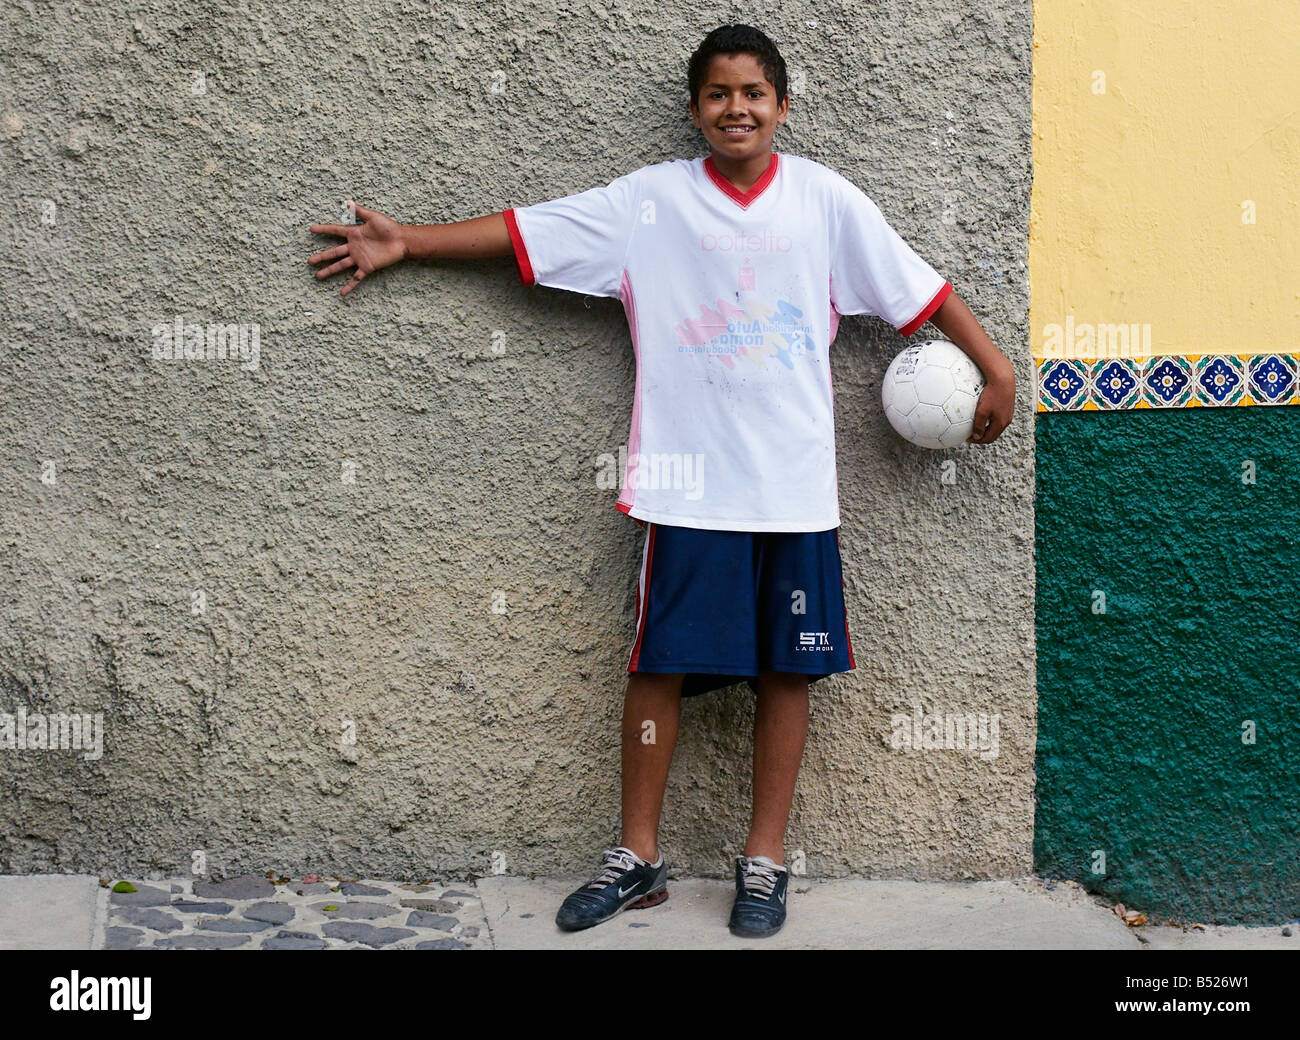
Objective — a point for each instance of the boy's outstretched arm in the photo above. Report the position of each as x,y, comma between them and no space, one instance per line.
381,242
997,403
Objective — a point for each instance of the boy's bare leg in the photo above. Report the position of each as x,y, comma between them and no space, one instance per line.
780,729
657,699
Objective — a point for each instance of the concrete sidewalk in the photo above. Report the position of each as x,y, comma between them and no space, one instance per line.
76,912
51,912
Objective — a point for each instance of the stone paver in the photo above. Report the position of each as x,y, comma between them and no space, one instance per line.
188,906
358,911
144,895
236,924
359,931
295,941
248,886
356,888
422,919
200,942
145,917
434,904
272,913
116,938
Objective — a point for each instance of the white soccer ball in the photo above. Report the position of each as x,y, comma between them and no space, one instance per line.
930,392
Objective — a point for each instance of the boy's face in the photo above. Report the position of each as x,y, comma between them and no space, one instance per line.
736,92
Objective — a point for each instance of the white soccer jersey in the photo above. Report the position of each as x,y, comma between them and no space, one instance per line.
732,299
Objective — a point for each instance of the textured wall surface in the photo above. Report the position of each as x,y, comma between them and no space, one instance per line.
362,608
1168,737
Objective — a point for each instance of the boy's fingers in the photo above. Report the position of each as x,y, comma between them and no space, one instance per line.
356,280
361,211
328,254
342,265
331,229
993,431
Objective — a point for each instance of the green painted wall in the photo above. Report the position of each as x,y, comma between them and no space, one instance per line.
1140,750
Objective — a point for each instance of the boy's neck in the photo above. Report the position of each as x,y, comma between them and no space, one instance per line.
744,174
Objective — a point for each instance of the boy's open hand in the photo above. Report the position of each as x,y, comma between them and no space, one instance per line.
372,246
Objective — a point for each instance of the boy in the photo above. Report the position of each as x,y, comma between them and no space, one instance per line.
733,271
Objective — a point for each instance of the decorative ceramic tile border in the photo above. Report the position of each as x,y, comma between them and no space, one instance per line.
1173,381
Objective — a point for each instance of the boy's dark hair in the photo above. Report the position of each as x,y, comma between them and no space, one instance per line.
737,39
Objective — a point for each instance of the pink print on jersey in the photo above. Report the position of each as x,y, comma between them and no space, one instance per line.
755,332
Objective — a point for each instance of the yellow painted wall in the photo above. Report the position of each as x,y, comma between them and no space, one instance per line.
1141,179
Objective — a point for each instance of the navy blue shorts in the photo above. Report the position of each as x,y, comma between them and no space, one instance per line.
722,606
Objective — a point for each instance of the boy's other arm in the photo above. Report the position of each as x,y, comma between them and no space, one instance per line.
381,242
997,403
464,240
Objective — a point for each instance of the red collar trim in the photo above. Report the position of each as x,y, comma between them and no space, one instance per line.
743,198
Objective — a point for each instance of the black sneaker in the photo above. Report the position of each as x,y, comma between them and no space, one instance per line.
759,909
625,882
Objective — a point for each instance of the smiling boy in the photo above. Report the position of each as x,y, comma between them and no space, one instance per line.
734,270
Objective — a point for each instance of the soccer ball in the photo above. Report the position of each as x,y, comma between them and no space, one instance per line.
930,392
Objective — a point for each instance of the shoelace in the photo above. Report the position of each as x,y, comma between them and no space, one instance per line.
615,863
760,879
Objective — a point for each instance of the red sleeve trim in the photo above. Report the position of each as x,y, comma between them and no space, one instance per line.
626,510
521,251
923,315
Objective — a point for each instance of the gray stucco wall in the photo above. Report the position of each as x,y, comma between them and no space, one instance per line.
473,410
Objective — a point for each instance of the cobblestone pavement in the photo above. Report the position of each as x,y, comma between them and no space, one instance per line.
253,913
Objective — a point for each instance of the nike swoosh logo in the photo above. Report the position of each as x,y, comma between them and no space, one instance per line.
624,891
